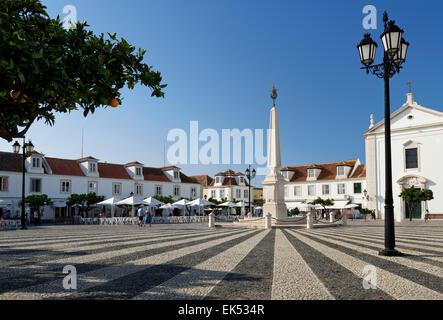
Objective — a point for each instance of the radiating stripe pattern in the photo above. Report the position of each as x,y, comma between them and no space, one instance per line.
194,262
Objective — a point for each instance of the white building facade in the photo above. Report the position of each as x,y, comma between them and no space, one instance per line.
59,178
417,153
344,182
229,185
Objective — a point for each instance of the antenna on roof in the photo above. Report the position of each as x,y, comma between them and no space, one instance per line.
82,142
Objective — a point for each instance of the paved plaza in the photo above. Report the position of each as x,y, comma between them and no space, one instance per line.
191,261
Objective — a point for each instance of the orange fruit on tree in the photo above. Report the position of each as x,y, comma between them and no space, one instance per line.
114,103
15,94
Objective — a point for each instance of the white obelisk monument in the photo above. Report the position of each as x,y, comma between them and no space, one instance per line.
273,185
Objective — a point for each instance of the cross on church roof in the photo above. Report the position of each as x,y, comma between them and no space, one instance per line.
410,85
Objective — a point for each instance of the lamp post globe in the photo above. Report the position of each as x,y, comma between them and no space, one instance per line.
400,56
391,38
29,147
16,147
367,48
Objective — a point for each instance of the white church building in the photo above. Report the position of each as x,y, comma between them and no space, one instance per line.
417,159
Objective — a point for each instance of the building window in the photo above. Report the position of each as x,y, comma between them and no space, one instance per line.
238,193
222,194
357,187
311,190
286,191
340,171
297,191
92,187
311,173
3,183
242,180
411,158
217,179
325,189
92,167
176,191
213,195
65,186
246,194
176,175
138,171
193,192
36,162
341,188
138,189
116,188
158,190
36,185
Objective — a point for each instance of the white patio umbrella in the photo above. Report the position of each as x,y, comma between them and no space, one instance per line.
200,203
131,201
110,202
153,202
228,204
351,206
182,204
167,207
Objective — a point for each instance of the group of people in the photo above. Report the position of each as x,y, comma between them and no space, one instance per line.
144,217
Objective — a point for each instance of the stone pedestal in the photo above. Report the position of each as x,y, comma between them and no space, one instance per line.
331,217
344,220
211,220
268,221
309,221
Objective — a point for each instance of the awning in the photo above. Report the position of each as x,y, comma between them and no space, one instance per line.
300,205
4,203
341,204
60,204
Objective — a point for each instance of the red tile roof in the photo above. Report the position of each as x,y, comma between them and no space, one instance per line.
154,174
360,172
11,162
65,167
229,172
133,163
328,170
86,158
114,171
203,179
169,167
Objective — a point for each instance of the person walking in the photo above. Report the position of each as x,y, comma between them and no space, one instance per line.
36,222
148,217
140,217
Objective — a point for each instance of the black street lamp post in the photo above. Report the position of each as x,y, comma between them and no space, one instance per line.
28,148
250,175
395,49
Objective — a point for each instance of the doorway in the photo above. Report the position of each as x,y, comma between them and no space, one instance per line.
416,211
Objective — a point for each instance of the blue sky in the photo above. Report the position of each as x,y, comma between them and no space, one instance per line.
220,59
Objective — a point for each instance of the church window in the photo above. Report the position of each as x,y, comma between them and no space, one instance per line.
411,158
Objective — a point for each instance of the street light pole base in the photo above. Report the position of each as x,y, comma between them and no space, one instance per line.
390,253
